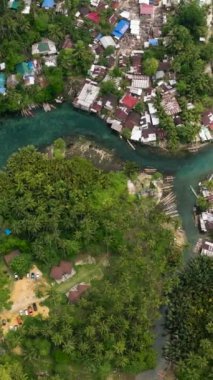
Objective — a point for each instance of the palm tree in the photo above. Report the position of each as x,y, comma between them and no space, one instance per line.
57,339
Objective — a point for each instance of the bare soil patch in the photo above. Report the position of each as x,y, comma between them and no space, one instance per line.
23,294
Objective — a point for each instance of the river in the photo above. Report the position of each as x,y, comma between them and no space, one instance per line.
64,121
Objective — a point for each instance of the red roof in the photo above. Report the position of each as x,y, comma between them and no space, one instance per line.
57,272
121,114
94,16
74,295
66,267
146,9
129,101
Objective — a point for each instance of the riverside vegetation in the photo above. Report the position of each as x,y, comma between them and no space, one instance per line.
61,207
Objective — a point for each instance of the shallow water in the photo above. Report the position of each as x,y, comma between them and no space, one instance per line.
188,169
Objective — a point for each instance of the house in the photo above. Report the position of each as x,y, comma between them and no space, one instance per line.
62,272
129,101
48,4
107,41
27,5
94,17
207,119
77,291
87,95
136,58
110,102
2,66
115,125
11,256
148,135
44,47
207,249
147,10
136,134
121,113
132,120
205,134
2,84
12,81
23,68
97,106
139,83
14,4
61,7
153,42
135,27
206,221
27,71
170,104
120,29
112,19
50,60
94,3
97,71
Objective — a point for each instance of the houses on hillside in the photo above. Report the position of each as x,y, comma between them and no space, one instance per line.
62,272
118,58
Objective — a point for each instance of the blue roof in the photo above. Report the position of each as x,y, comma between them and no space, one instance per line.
30,65
48,4
2,90
153,42
121,28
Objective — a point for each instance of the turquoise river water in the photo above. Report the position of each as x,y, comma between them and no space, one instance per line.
43,128
188,169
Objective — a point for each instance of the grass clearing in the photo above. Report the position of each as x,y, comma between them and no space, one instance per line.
84,273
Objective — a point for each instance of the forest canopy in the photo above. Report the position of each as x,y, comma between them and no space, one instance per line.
189,321
57,208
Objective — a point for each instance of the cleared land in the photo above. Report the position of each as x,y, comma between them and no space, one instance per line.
23,294
84,273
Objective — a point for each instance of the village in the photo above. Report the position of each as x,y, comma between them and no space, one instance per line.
203,215
128,92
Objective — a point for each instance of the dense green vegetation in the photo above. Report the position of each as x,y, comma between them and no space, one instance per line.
5,283
62,207
189,321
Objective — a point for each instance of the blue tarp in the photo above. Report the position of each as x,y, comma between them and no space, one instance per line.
7,232
153,42
48,4
120,29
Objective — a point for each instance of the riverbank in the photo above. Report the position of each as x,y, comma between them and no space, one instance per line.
102,158
159,146
187,168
